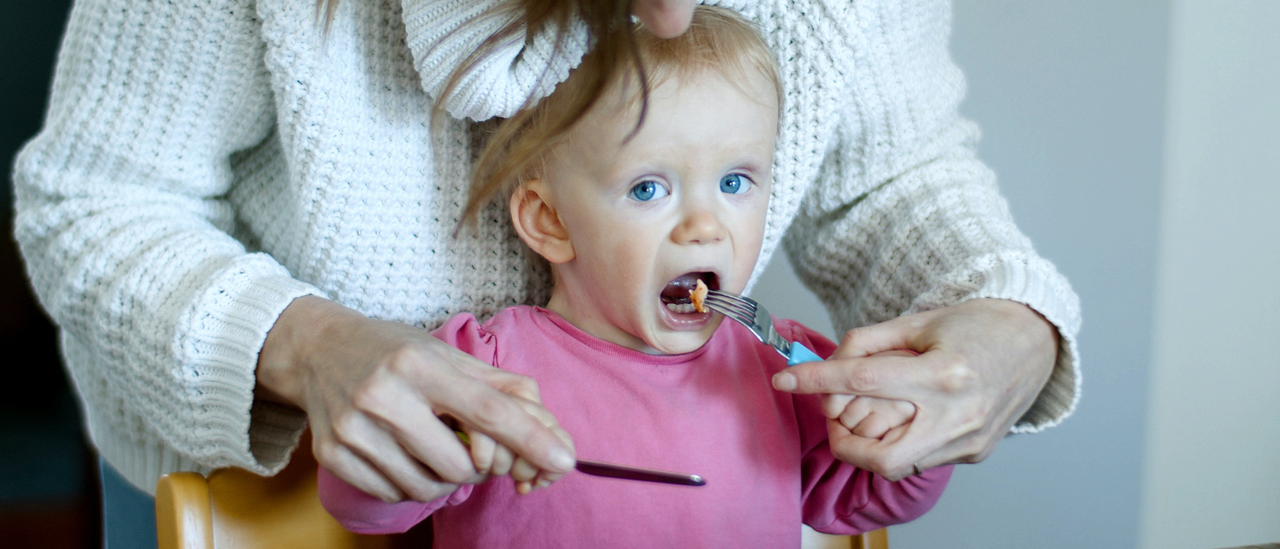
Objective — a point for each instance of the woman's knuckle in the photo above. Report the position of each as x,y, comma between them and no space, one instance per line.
851,337
970,450
957,376
863,379
327,454
367,398
488,411
346,429
405,360
981,456
985,449
525,385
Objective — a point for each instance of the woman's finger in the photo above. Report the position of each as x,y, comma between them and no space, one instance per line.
374,443
930,439
833,406
891,456
873,417
503,459
853,414
483,451
348,466
523,473
520,424
413,425
891,377
374,463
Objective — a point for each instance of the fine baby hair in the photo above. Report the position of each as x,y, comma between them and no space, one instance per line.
718,40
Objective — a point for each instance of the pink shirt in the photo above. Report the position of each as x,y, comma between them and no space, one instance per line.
711,412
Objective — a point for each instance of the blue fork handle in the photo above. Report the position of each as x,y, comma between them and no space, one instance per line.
801,354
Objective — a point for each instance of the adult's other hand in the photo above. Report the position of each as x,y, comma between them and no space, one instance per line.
982,364
374,391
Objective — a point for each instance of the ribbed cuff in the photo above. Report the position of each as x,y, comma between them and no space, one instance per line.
218,353
1036,283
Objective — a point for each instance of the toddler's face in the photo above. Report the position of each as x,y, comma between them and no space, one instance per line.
684,199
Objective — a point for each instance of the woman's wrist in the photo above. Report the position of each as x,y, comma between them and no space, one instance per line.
282,360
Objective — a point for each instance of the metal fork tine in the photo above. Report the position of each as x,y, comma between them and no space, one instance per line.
729,304
747,312
731,313
728,310
731,299
738,312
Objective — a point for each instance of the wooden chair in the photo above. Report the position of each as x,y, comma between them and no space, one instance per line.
234,508
876,539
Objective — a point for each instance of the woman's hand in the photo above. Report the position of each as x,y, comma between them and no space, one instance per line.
374,392
867,416
982,364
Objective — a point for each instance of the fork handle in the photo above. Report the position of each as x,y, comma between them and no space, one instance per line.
801,354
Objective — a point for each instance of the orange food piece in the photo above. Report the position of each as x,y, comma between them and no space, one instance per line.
699,294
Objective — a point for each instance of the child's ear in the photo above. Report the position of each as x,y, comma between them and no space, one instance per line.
538,223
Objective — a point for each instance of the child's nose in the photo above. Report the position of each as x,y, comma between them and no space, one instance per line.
699,226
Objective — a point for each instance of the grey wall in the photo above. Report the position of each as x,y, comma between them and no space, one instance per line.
1213,414
1070,96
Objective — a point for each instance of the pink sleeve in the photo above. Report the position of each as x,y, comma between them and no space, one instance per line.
364,514
465,332
839,498
842,499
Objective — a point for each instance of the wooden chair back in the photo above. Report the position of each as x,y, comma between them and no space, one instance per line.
234,508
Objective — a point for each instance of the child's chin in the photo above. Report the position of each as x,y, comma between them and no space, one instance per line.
681,342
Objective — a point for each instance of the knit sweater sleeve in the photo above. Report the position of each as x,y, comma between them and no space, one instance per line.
903,217
125,229
442,34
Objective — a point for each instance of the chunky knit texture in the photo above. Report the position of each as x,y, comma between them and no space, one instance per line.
205,163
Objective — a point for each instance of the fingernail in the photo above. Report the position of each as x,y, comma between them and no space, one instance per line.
543,483
562,460
784,381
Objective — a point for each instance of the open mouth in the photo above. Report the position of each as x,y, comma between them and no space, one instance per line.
675,296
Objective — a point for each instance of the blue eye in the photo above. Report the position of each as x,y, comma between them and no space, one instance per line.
735,184
645,191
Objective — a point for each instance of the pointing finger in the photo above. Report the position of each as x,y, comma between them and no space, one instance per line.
891,377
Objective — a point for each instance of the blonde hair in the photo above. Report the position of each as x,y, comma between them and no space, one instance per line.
717,40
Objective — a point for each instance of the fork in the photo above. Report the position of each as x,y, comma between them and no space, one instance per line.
756,318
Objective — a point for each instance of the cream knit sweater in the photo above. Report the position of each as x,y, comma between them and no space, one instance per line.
205,163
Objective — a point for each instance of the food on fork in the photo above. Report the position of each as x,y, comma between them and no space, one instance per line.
698,294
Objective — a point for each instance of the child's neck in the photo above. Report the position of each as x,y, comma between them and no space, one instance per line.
580,311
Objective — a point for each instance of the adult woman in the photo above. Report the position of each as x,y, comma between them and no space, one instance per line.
233,213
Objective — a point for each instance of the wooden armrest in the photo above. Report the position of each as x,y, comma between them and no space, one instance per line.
184,516
875,539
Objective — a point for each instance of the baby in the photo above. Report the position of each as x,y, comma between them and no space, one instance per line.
631,217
